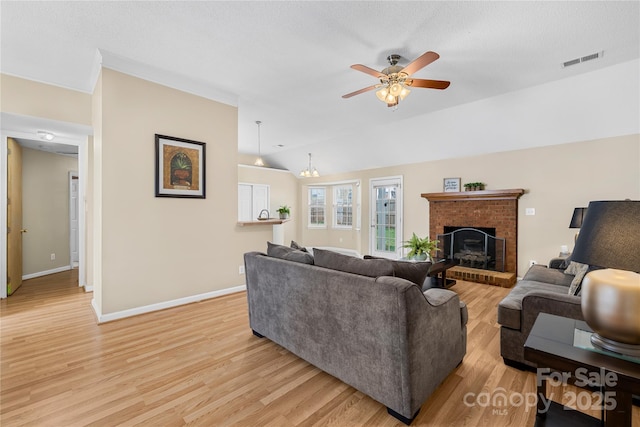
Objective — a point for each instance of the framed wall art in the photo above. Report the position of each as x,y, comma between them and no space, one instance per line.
451,185
180,167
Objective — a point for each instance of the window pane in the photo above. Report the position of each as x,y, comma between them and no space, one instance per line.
343,206
317,200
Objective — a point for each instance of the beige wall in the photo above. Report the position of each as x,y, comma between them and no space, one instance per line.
45,210
282,191
150,250
556,179
29,98
157,249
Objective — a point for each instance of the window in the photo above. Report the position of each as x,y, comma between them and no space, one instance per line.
317,206
343,206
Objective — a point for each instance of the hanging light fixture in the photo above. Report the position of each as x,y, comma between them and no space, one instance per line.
259,161
394,85
310,171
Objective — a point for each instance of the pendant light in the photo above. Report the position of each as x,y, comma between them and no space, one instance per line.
310,171
259,161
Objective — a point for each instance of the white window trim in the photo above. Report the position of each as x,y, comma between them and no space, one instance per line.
334,210
309,224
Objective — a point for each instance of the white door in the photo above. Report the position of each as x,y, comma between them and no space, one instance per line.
385,212
74,232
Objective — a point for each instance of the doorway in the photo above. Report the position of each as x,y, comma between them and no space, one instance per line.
78,139
385,211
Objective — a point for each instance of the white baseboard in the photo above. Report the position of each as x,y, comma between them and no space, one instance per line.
46,273
88,288
102,318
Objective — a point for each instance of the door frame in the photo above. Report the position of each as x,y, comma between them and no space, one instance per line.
399,209
71,175
81,140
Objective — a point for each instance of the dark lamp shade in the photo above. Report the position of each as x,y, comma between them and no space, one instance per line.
578,217
610,236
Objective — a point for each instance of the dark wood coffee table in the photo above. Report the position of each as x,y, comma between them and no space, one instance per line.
554,343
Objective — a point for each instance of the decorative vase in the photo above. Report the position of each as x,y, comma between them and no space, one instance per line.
284,215
421,257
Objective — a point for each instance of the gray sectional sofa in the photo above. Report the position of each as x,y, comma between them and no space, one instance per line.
541,290
381,334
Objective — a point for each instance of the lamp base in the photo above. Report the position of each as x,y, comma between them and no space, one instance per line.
632,350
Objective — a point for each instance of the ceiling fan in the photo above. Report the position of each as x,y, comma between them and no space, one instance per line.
396,80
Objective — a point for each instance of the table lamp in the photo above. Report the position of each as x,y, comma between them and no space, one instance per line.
610,238
576,220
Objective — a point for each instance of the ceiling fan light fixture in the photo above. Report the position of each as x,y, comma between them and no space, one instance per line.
395,79
390,99
404,92
382,94
395,88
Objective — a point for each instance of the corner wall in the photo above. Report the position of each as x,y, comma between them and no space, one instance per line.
158,249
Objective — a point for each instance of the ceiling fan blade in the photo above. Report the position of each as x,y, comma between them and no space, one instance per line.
358,92
420,62
429,84
367,70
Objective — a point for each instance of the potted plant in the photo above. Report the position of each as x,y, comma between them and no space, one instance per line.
284,211
474,186
420,249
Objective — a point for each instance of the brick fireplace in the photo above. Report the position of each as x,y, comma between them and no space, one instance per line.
479,209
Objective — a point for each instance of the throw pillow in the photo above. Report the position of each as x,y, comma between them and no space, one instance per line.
415,272
565,264
350,264
578,270
295,245
285,252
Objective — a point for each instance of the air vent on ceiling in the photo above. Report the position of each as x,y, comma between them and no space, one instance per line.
582,59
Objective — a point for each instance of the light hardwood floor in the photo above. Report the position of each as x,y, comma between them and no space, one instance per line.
200,365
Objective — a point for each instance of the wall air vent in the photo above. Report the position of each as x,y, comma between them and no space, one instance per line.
582,59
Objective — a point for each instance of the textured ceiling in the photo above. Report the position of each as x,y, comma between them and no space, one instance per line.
287,63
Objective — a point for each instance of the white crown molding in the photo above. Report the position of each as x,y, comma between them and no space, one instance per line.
164,77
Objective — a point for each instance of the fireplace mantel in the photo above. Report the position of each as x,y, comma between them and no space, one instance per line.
477,209
513,194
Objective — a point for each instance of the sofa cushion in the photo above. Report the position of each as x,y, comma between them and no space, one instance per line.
295,245
285,252
349,264
510,308
540,273
415,272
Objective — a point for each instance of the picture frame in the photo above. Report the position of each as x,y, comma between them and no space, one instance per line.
451,185
180,167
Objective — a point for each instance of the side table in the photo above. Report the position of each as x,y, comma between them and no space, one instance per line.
438,273
559,344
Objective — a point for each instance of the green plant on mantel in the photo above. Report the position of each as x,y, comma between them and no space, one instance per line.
420,249
474,186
